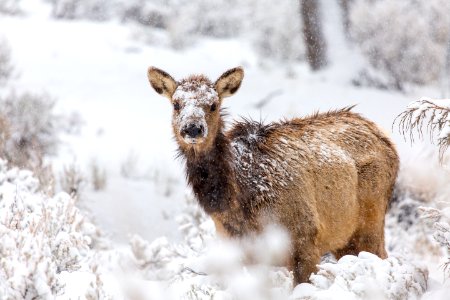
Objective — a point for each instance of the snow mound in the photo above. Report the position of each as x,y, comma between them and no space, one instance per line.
365,276
40,237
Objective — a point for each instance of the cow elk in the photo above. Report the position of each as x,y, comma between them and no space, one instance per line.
326,178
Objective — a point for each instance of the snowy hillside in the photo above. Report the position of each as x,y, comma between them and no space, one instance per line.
131,228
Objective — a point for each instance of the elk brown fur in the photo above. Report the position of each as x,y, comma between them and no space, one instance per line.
326,178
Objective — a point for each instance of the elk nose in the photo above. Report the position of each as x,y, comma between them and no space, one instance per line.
193,131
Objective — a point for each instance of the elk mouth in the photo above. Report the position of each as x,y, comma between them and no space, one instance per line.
193,141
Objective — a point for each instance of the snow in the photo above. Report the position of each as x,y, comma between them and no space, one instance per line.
157,243
332,154
365,276
202,94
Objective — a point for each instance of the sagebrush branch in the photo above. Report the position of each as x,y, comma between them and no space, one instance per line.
433,115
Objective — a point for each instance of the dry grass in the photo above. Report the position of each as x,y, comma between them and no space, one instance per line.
6,67
426,117
98,176
72,180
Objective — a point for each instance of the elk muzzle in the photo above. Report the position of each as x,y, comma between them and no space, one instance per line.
192,131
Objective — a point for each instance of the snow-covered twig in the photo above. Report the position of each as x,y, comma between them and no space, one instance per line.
434,114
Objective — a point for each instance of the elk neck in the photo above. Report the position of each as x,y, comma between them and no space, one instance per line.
211,174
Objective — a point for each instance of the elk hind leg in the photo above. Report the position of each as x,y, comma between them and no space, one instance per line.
305,261
368,238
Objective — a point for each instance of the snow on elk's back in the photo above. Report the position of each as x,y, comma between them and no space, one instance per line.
194,94
267,163
262,169
326,151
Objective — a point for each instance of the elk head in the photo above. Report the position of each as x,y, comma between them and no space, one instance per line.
196,104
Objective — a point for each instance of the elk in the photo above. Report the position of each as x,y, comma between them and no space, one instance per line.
326,178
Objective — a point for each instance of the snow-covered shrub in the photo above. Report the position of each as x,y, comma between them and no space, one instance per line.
421,181
197,228
29,133
202,267
9,7
40,237
163,260
405,39
365,276
433,117
202,17
213,18
275,29
190,19
149,13
31,126
6,67
218,269
441,227
406,232
97,10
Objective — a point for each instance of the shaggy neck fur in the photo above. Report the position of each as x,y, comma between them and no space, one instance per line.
211,174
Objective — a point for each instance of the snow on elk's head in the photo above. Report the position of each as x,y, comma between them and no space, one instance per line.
196,104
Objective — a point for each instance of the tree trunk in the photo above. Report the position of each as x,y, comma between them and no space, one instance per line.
345,15
446,73
312,34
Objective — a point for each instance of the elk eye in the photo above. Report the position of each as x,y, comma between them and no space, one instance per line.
213,107
176,106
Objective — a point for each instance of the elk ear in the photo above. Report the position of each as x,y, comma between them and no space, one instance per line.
229,82
161,82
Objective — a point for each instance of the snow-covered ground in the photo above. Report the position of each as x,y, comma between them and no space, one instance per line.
99,71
